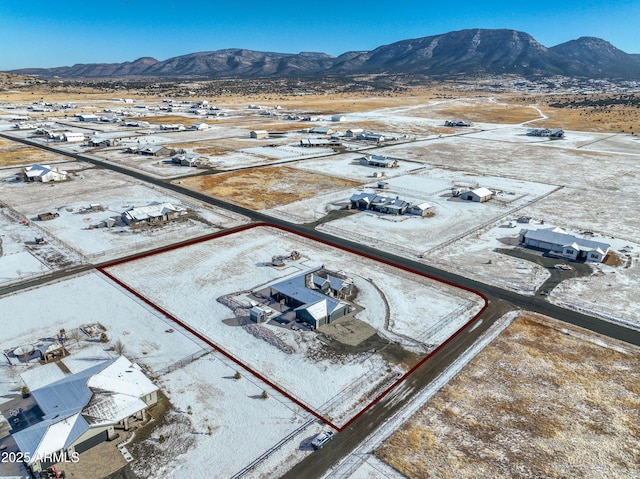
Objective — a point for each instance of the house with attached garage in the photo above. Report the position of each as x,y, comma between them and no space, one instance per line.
186,159
558,242
315,296
152,150
379,161
152,213
379,203
43,173
83,409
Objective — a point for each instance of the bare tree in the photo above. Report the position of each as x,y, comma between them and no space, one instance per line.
118,346
75,335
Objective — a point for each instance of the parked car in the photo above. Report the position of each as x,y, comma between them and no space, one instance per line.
321,439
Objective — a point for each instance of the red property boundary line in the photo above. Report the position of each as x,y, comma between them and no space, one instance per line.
102,268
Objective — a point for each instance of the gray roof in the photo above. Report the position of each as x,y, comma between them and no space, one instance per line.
295,287
560,237
100,395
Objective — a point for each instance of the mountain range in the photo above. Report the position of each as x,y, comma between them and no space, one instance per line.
470,52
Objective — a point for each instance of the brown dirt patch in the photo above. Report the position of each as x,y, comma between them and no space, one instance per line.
486,111
15,154
543,400
267,187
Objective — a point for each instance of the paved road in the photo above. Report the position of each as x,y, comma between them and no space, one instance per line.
500,301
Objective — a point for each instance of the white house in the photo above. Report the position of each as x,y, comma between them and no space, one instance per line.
152,213
83,409
557,241
43,173
479,195
338,118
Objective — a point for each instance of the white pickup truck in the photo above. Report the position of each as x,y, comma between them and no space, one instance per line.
321,439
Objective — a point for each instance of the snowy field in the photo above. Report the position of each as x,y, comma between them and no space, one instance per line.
230,424
39,313
453,217
75,227
199,274
225,411
21,258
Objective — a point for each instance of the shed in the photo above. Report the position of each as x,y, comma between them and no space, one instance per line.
259,134
338,118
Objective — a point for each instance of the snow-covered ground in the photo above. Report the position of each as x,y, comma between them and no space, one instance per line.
75,228
41,312
421,312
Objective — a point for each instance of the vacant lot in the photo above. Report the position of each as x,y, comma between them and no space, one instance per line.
14,154
261,188
543,400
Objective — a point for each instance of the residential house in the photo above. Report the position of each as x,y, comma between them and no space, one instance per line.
152,150
43,173
310,305
558,242
152,213
379,161
186,159
172,127
456,123
380,203
83,409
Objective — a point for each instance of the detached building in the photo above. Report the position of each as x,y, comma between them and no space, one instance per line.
558,242
479,195
260,134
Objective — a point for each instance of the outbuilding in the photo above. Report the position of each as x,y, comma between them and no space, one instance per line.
87,118
479,195
260,134
422,209
72,136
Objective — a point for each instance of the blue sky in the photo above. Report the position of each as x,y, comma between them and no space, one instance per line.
39,33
